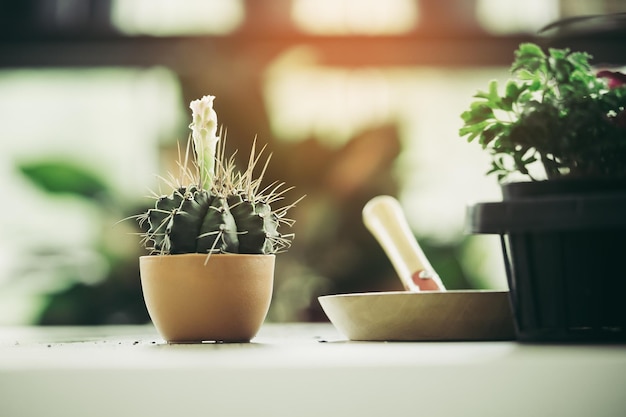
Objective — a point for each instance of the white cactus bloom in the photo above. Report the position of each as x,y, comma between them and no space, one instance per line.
204,135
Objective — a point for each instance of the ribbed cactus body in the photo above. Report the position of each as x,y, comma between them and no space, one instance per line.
218,231
193,220
258,224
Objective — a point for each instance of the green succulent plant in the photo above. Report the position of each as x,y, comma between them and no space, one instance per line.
556,111
212,207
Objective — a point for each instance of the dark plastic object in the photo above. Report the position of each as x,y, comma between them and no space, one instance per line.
565,258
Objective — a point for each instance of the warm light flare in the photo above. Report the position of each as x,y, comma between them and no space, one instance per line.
373,17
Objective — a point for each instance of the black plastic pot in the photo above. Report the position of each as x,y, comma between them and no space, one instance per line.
564,247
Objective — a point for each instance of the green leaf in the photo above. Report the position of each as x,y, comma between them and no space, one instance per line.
512,93
561,69
478,113
481,94
558,54
466,116
512,90
472,130
529,59
482,109
466,130
525,75
62,177
530,50
493,91
489,134
473,135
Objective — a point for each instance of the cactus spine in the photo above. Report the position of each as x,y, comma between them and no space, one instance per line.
213,208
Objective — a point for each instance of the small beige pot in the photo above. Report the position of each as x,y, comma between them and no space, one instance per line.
192,299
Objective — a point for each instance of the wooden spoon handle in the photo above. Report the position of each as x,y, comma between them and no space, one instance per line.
385,219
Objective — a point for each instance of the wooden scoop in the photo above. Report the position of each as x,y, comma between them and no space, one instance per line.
384,218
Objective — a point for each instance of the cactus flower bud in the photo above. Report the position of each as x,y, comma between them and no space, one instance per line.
204,135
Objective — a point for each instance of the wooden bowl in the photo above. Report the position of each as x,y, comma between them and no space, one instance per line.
423,316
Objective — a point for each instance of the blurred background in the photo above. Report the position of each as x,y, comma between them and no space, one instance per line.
355,98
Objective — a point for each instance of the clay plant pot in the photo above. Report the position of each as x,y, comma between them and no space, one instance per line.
193,298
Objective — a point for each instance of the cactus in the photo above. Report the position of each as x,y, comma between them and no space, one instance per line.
213,208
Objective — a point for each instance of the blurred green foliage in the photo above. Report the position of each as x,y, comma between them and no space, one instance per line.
65,177
113,299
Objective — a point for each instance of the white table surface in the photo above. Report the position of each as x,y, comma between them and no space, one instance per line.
299,370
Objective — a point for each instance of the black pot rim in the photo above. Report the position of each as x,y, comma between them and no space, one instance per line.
552,205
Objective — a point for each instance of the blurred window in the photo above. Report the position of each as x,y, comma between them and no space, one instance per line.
177,17
371,17
503,17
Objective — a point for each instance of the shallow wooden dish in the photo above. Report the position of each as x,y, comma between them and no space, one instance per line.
425,316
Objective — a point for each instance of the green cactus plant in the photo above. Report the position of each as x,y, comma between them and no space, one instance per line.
212,207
